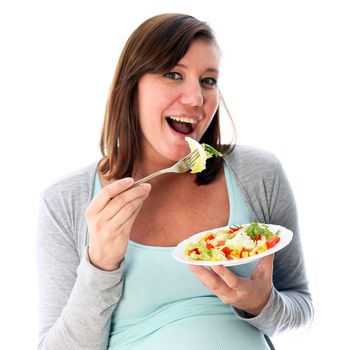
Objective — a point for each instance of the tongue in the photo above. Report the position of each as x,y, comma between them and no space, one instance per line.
181,127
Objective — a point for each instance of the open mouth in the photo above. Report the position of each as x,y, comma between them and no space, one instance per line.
182,125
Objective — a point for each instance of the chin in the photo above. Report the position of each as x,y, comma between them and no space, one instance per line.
176,154
176,157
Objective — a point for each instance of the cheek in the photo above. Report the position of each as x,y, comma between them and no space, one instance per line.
144,98
204,127
216,101
145,110
212,105
151,105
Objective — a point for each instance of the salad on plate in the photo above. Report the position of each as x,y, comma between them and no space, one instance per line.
232,245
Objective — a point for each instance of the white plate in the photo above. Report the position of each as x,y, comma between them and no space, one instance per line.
178,253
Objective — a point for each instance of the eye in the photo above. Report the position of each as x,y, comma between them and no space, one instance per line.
209,81
173,75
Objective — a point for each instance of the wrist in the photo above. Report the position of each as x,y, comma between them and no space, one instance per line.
256,310
102,264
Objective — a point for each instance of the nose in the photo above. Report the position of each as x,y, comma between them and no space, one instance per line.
192,95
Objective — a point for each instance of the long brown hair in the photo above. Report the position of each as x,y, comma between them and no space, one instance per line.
156,46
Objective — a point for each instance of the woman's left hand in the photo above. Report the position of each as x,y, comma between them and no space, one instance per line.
248,294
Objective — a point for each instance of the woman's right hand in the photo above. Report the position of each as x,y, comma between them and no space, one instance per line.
110,217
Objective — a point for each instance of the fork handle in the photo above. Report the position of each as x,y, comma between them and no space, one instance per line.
151,176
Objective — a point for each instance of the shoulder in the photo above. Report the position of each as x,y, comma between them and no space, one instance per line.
61,211
249,159
261,179
76,186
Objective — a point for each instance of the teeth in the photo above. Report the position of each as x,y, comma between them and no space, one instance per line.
183,119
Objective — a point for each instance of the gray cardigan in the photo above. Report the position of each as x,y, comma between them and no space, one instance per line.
76,300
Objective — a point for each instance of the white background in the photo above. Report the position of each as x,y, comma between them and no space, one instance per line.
285,77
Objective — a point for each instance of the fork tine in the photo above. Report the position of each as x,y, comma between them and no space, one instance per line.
194,156
191,159
181,166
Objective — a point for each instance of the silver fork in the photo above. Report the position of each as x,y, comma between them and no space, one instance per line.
182,166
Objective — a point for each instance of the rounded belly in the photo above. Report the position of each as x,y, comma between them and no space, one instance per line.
205,332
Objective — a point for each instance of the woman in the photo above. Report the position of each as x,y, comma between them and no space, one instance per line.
107,278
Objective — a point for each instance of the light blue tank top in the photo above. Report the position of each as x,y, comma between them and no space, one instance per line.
164,306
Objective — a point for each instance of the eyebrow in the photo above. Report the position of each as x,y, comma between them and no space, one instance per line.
214,70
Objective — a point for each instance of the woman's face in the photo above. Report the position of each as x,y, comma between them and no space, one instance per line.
179,103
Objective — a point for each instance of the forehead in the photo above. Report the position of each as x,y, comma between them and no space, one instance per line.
204,52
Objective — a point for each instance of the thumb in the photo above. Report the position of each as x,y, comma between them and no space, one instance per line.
265,266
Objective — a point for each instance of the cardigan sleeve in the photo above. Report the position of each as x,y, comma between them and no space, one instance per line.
76,299
271,200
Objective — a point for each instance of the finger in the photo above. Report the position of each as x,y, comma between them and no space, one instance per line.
126,227
107,193
123,199
125,213
210,280
227,275
265,267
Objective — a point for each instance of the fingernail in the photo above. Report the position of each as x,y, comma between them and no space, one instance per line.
146,186
191,267
218,269
128,180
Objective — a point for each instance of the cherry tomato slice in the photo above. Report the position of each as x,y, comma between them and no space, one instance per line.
272,241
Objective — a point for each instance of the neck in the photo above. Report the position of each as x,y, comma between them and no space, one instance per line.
150,162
